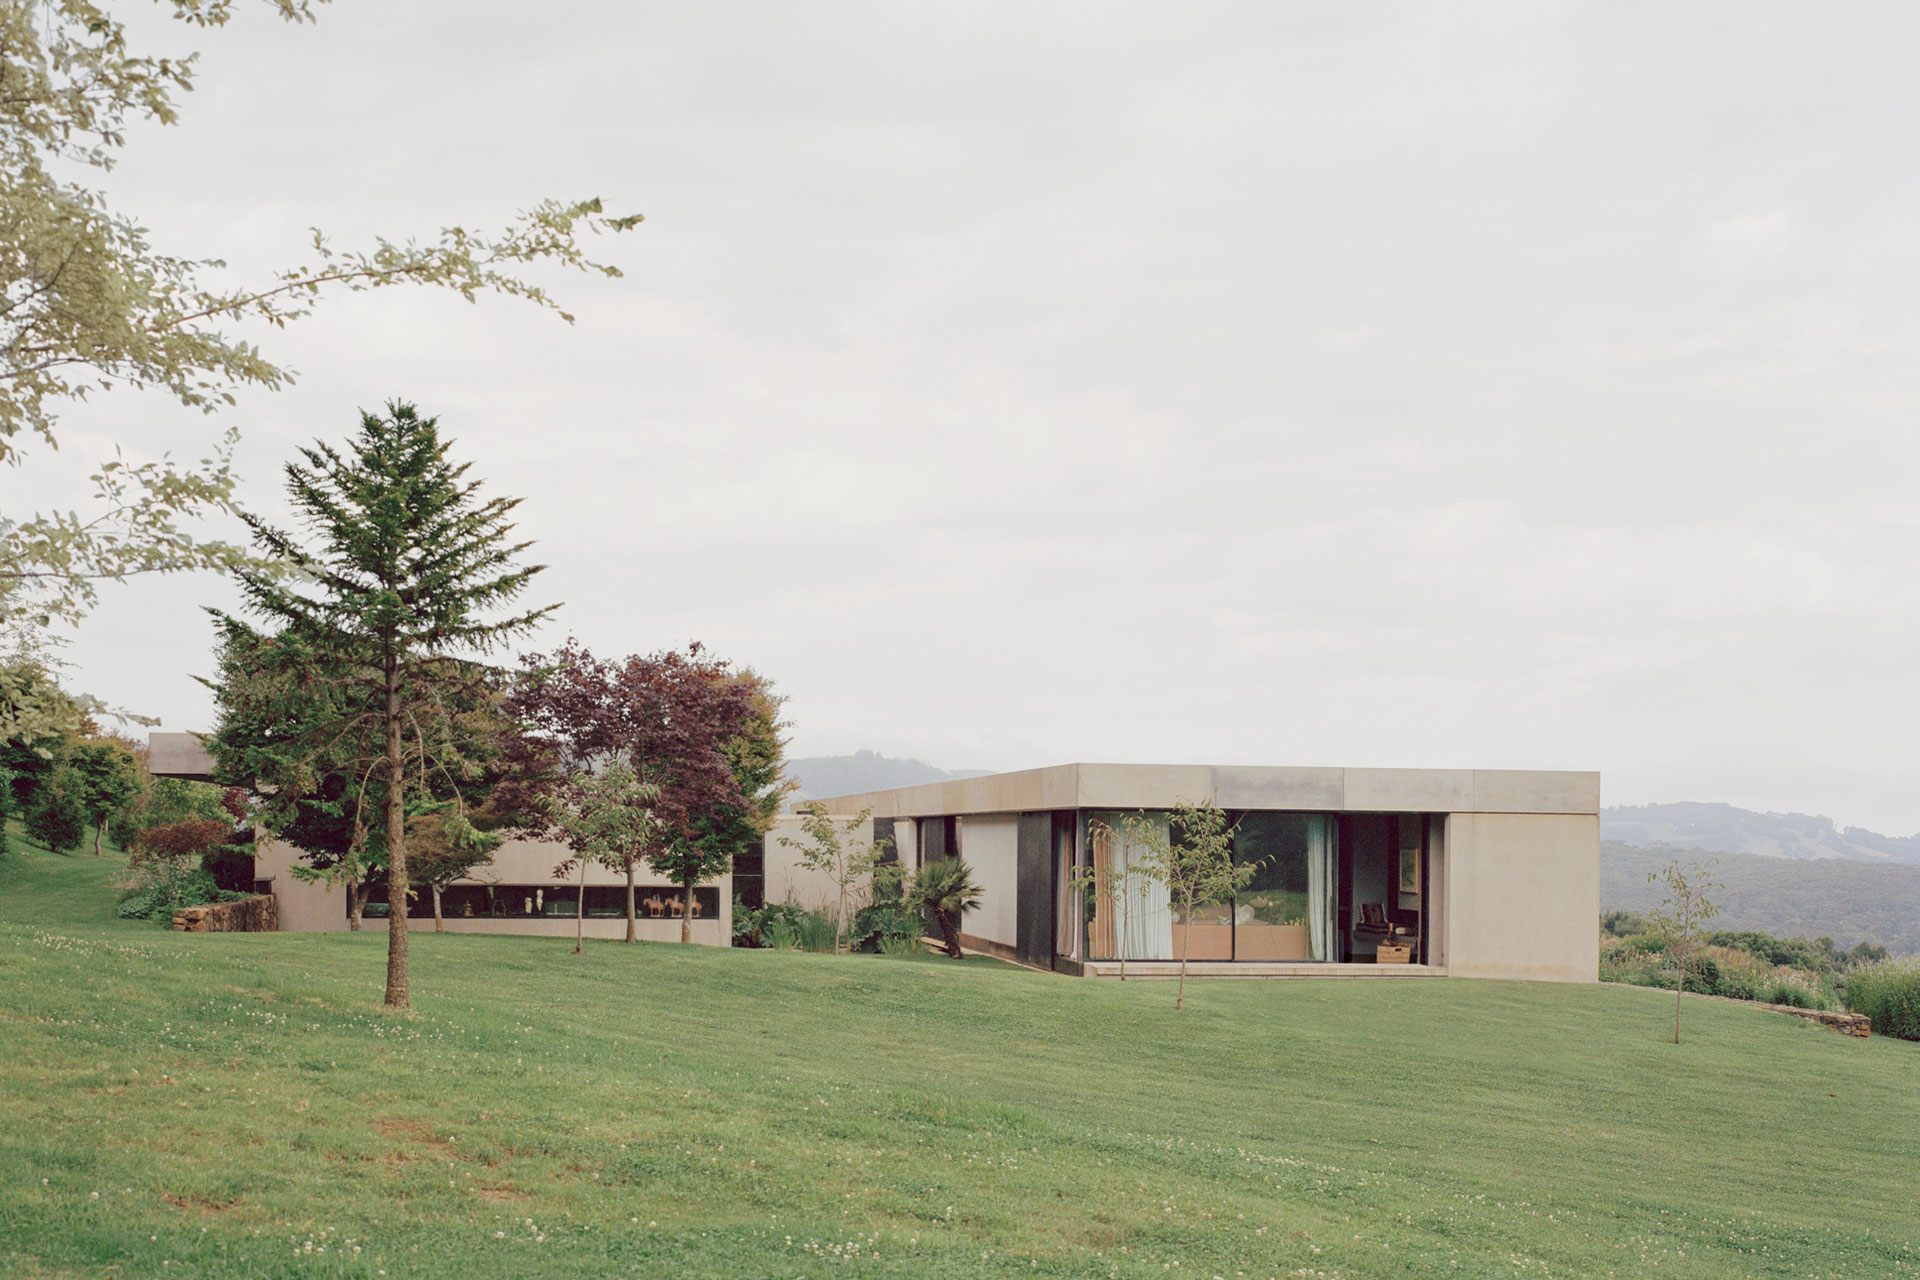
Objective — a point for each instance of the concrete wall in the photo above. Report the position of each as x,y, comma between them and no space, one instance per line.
1309,790
990,846
316,907
1522,896
787,879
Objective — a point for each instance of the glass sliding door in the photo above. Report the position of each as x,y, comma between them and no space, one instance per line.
1287,911
1132,914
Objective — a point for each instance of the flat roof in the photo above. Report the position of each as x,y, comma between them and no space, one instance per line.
179,755
1307,789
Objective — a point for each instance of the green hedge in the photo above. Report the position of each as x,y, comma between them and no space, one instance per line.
1888,993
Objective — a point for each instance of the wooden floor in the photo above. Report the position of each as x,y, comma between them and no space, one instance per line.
1260,969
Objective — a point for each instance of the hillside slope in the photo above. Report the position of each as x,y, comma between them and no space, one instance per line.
1723,828
238,1105
1850,902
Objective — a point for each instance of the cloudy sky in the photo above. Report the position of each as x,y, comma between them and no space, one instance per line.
1519,385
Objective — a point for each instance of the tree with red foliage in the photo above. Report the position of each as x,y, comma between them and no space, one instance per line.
706,735
178,841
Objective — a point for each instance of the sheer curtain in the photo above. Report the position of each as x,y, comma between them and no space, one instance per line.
1148,931
1320,904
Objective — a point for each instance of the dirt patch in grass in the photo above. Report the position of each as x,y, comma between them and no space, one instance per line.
199,1204
400,1129
502,1195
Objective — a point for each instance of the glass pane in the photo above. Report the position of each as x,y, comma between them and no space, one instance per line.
1286,911
1131,912
1208,935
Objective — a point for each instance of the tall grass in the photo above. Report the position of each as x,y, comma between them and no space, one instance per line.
1889,993
817,929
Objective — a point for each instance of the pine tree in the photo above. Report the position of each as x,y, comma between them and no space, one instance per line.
394,605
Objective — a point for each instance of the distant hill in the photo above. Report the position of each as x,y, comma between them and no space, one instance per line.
1846,900
1722,828
865,771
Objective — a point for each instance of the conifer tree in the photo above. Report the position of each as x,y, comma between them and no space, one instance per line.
392,608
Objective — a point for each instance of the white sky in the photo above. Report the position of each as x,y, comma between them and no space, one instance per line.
1502,385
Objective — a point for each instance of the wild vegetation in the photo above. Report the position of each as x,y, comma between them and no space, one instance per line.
1739,964
239,1105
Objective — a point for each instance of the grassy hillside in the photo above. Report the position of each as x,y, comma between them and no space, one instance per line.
239,1106
1849,902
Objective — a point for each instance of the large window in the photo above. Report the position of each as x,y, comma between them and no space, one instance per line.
1132,917
1287,911
549,901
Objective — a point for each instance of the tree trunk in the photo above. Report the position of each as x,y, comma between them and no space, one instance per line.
438,927
356,901
1186,941
98,832
399,980
630,912
1679,990
948,931
686,915
580,910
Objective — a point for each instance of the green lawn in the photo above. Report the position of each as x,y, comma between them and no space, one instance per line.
239,1105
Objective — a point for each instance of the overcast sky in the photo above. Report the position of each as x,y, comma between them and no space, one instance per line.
1518,385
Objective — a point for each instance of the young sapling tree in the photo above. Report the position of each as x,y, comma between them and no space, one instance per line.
1687,906
831,849
605,817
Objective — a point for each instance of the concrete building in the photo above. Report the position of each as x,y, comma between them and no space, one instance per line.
1361,872
516,892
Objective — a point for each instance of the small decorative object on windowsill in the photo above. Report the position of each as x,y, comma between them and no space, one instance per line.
1397,949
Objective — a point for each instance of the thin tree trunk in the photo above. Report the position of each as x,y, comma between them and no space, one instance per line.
98,832
630,911
580,910
686,915
399,980
438,927
356,901
1679,989
840,919
1186,941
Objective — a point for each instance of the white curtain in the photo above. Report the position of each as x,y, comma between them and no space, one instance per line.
1320,904
1148,906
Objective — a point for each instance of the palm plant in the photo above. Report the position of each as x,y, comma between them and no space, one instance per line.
947,889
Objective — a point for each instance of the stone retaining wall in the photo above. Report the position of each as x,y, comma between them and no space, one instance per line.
258,914
1849,1024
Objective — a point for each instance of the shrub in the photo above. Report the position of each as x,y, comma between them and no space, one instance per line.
1634,967
163,887
1788,989
55,818
1888,992
1703,973
231,866
781,935
891,945
888,919
179,841
751,928
1622,924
